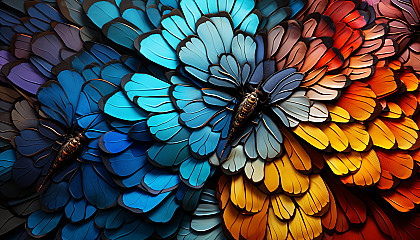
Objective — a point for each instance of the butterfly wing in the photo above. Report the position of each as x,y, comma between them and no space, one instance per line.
38,148
60,98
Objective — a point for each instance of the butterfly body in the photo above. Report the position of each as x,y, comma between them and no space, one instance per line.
245,110
66,155
68,151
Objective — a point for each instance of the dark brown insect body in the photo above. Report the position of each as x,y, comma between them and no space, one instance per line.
65,155
243,113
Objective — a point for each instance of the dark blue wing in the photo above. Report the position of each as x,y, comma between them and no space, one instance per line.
262,71
128,162
83,231
88,110
79,210
168,229
130,227
140,132
43,11
40,223
121,31
98,188
114,142
274,12
130,166
60,98
55,197
102,52
188,197
38,146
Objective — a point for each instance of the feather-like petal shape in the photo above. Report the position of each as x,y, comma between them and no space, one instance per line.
312,135
119,106
360,101
369,172
304,226
41,223
194,172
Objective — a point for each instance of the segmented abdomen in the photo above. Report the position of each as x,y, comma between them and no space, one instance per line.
66,152
244,111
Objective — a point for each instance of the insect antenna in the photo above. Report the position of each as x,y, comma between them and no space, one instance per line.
265,70
90,124
45,179
224,148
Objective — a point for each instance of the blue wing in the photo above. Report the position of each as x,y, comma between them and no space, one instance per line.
196,113
262,71
92,71
102,52
84,231
168,229
194,172
162,154
175,28
164,211
40,146
114,142
282,84
121,31
140,132
60,98
160,181
123,225
43,11
88,110
273,13
164,126
40,223
79,210
92,92
98,187
119,106
137,200
100,12
136,15
203,141
154,47
266,139
7,159
56,196
114,71
206,220
129,161
150,93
